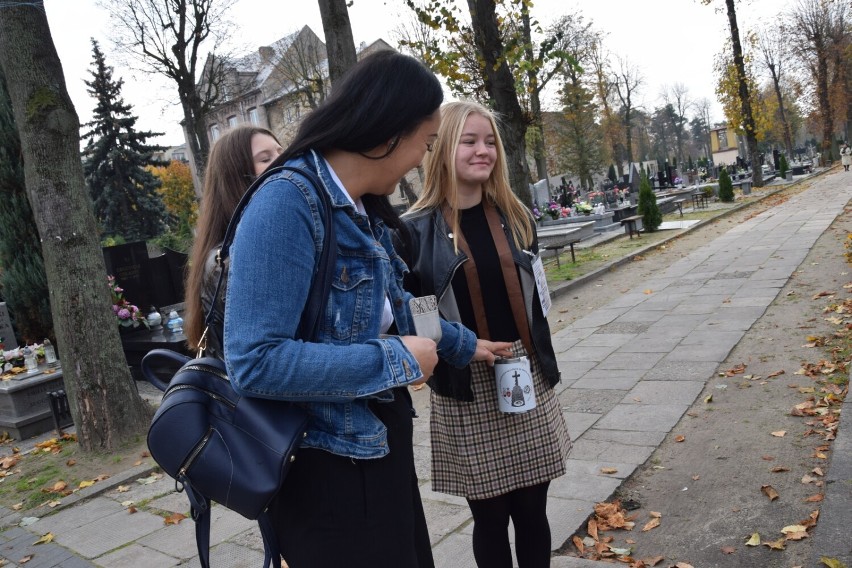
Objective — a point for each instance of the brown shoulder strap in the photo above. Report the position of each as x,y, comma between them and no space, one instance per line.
510,277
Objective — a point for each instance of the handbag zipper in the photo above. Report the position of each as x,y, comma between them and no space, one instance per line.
193,455
207,369
211,394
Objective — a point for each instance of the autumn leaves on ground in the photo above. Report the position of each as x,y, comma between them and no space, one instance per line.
739,481
37,480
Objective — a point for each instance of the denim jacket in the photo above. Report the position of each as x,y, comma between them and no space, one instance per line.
273,259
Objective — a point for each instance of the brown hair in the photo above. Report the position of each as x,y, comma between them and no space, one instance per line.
441,180
229,173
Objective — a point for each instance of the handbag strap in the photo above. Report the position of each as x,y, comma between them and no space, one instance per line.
321,287
308,329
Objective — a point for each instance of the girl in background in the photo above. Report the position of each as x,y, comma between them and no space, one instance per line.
472,243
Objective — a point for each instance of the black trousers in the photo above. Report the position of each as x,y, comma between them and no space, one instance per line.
335,511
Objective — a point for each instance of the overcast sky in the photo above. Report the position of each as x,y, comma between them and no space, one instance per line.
670,41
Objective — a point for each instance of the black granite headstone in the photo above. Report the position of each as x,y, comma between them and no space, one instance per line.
129,264
7,334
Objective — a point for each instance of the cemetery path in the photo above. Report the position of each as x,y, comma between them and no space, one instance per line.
736,383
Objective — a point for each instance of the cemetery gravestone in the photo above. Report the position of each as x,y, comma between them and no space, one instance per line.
6,332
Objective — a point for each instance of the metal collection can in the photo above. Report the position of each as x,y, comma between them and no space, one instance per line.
515,389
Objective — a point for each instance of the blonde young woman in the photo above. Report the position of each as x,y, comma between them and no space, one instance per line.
467,217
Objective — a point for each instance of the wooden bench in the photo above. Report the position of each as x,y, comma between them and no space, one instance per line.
556,245
679,204
629,224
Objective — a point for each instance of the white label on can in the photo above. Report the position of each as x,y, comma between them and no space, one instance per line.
515,389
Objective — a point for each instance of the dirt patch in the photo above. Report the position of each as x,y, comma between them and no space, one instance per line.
56,468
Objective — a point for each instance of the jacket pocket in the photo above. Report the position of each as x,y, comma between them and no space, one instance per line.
350,308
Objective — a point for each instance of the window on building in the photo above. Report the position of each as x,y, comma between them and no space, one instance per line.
179,156
723,139
232,121
253,117
291,113
214,132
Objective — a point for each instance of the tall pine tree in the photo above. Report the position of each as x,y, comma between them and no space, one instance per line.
123,192
23,284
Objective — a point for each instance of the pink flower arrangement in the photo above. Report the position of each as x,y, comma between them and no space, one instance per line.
127,314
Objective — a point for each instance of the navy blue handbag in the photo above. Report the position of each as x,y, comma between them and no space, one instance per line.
220,446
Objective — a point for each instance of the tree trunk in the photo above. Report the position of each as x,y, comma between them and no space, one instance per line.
195,130
339,43
106,408
745,98
825,106
788,138
500,84
535,102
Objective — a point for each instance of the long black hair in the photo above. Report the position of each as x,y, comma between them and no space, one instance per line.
384,96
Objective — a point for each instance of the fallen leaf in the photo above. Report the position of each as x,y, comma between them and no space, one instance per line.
823,294
653,561
808,479
817,471
609,470
815,498
684,565
578,542
648,291
127,503
25,559
131,510
797,535
779,433
123,488
58,487
767,458
72,462
679,438
18,506
139,462
754,540
708,399
53,504
696,477
769,491
775,544
9,462
592,529
779,469
174,519
84,484
45,539
728,549
775,374
832,562
652,524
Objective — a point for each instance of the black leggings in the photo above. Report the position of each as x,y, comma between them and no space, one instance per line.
527,507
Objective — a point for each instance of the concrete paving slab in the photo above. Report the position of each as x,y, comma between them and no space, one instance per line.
599,317
664,392
230,555
651,345
110,532
682,371
607,339
607,451
136,555
70,519
582,353
642,417
573,370
566,516
641,314
428,494
623,383
456,550
579,422
47,555
445,518
625,437
589,401
622,360
583,486
704,352
179,540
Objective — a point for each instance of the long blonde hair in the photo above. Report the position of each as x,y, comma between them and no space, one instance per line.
441,182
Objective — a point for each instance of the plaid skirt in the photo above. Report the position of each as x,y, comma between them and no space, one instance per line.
479,452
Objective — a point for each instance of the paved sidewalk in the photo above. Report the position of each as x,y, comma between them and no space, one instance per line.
630,371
